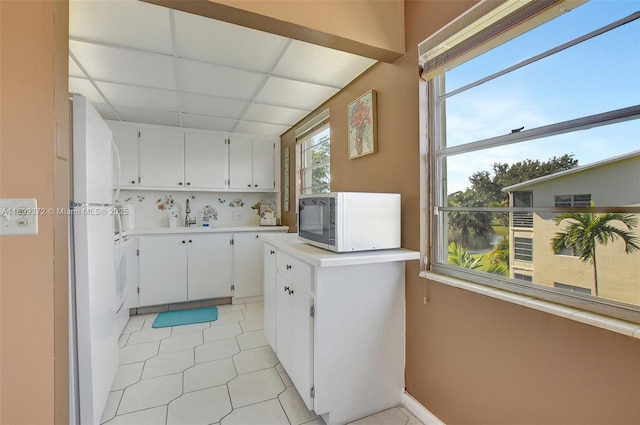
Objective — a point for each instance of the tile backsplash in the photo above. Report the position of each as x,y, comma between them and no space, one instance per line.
152,209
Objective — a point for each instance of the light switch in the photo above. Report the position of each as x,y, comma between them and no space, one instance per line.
19,217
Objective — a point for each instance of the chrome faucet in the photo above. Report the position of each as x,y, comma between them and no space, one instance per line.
188,221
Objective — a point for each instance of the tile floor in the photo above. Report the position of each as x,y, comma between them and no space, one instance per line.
221,372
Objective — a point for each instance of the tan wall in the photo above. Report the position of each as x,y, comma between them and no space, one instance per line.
368,28
33,276
473,359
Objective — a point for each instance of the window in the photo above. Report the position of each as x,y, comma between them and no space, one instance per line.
522,219
572,288
521,111
314,144
573,201
525,277
523,248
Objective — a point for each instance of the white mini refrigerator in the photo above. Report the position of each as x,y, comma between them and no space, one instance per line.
93,304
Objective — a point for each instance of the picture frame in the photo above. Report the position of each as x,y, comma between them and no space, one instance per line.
362,125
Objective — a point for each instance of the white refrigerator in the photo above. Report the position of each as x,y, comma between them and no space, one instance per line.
93,305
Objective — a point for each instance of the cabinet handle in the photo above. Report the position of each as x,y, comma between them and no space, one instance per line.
290,291
255,185
190,241
183,242
133,182
188,183
288,267
248,185
286,289
272,252
179,183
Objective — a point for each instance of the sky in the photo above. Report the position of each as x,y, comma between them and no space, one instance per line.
596,76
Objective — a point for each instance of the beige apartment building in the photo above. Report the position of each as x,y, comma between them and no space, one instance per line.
610,182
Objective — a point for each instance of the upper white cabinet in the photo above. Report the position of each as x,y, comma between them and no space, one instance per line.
205,161
161,157
155,157
126,138
251,163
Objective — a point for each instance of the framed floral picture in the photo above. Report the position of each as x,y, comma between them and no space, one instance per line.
362,125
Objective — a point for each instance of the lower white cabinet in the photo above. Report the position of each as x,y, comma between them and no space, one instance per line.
294,330
163,269
246,265
269,287
184,267
209,268
336,323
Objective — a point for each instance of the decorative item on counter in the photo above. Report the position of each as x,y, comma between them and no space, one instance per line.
165,203
267,213
237,202
173,219
208,212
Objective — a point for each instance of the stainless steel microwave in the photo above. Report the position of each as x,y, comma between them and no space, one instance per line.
350,221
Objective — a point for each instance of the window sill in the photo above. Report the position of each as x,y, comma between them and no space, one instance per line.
589,318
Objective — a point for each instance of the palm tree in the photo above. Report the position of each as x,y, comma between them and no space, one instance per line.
586,230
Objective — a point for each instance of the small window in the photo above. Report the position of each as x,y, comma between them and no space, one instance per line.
573,201
522,218
523,249
572,288
314,153
524,277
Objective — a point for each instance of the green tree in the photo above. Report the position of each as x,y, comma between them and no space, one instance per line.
486,191
587,230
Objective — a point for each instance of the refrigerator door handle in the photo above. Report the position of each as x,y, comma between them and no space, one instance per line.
119,256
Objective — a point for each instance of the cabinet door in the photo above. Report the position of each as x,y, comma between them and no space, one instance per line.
240,163
247,257
283,322
302,343
163,269
131,272
126,138
209,266
269,290
263,164
205,161
161,157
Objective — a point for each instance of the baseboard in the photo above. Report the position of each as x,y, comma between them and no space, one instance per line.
419,411
245,300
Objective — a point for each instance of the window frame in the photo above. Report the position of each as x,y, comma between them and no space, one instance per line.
433,118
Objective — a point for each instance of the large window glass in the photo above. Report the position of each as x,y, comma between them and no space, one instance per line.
535,152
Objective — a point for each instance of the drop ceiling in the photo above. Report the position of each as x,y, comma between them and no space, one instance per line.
141,62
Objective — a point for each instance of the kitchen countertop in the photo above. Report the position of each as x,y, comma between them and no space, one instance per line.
319,257
199,229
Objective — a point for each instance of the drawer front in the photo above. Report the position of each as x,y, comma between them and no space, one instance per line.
295,270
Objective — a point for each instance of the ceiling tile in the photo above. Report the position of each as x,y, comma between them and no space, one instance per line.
294,94
84,87
316,64
74,70
148,116
214,106
125,95
274,114
200,77
124,66
106,111
124,23
208,123
251,127
222,43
